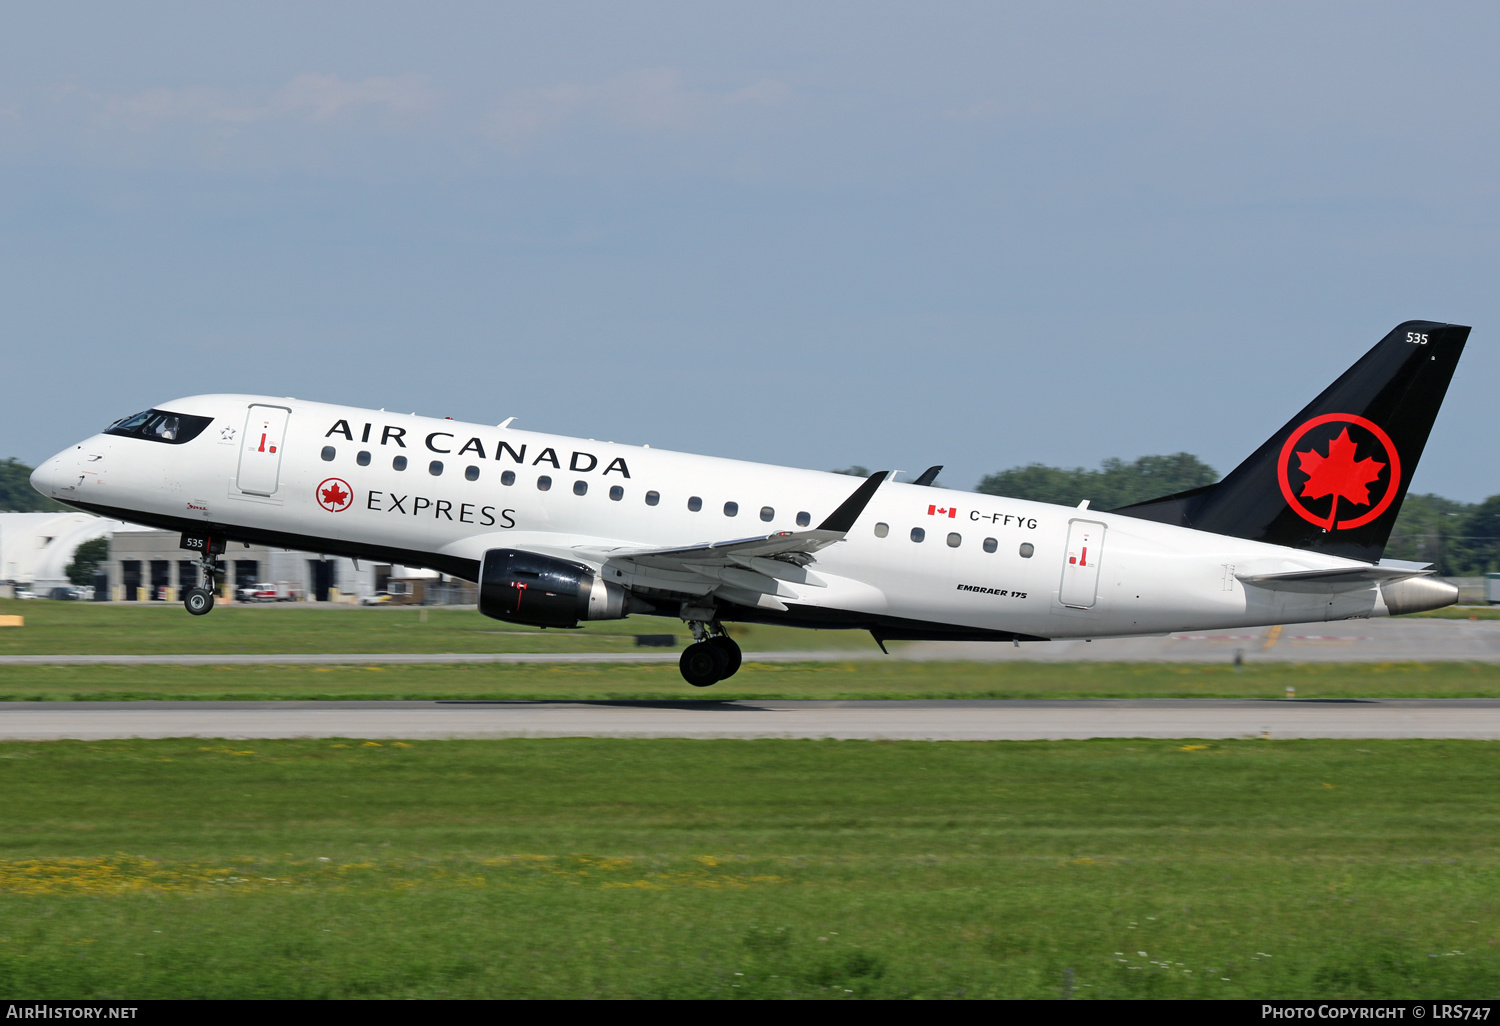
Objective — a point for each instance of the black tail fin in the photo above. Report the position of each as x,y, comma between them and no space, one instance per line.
1333,478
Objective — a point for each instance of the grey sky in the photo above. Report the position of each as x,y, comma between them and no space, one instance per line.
895,235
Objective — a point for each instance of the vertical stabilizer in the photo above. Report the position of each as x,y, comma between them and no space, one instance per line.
1333,478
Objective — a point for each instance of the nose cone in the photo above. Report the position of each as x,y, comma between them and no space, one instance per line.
43,476
52,477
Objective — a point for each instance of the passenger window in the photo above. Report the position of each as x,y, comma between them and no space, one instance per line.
731,509
695,504
472,473
363,459
955,539
580,487
329,453
803,519
652,498
399,463
990,545
543,483
617,493
508,478
767,514
435,468
1027,549
881,530
917,534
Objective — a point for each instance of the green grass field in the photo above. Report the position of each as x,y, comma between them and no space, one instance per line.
599,868
827,680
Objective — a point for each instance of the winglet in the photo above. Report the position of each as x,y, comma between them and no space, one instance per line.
843,518
929,475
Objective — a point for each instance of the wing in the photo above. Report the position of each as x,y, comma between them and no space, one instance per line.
750,571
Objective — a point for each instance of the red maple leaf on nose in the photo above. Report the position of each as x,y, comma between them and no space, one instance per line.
1338,474
335,496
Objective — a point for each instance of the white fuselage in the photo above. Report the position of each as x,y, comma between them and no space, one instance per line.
1087,574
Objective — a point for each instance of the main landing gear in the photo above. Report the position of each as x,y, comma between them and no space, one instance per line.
713,656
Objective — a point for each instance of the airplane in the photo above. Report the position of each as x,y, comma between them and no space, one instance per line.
558,530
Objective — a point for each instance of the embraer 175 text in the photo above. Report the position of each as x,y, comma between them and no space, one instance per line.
555,530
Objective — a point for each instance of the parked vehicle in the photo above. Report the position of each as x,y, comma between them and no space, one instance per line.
279,591
63,594
380,598
25,593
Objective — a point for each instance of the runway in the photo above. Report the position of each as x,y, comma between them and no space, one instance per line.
864,720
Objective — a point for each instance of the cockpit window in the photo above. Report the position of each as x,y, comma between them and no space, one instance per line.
160,426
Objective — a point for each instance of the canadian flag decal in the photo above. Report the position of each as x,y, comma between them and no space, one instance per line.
938,511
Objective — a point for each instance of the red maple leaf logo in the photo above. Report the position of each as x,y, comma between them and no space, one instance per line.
334,495
1338,474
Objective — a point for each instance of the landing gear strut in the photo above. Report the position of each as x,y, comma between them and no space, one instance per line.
713,656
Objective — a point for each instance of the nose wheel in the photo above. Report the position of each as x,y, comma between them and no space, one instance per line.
711,658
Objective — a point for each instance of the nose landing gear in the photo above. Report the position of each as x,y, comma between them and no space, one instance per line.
200,601
713,656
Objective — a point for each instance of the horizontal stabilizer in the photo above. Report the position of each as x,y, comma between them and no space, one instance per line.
1337,577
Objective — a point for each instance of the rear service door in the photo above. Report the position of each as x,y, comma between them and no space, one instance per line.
260,455
1080,576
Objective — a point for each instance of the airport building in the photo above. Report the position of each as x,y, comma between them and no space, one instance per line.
148,565
152,566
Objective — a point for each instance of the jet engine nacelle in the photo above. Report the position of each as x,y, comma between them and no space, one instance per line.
524,587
